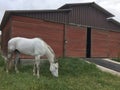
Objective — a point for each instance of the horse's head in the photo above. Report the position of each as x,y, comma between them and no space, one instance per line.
54,69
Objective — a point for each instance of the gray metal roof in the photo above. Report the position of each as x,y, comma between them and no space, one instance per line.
67,6
8,13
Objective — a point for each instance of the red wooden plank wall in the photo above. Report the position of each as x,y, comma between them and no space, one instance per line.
76,41
5,37
52,33
105,43
99,43
114,44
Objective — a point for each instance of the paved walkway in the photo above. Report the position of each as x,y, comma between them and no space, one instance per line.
105,63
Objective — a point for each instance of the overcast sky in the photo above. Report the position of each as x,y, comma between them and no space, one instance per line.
113,6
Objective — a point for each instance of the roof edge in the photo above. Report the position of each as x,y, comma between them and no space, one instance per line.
11,12
113,20
47,10
102,9
67,6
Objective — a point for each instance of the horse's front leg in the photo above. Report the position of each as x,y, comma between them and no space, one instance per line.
37,64
17,58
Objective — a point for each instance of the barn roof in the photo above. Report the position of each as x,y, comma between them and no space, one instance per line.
113,20
8,13
67,6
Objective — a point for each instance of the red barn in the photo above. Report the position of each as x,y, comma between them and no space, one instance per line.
74,30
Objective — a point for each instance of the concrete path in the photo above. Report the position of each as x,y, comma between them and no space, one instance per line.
106,65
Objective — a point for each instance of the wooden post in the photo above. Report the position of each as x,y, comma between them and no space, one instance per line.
64,41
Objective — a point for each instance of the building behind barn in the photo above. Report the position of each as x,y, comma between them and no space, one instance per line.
73,30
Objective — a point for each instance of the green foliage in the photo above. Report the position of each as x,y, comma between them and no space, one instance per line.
74,74
1,61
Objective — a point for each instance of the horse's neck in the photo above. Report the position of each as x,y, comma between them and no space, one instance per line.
50,55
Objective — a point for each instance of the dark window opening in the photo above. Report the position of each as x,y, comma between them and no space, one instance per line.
88,46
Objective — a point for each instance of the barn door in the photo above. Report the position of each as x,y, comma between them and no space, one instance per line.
88,43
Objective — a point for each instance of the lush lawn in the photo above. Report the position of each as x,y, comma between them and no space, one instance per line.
74,74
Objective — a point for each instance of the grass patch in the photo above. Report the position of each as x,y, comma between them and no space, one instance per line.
116,59
74,74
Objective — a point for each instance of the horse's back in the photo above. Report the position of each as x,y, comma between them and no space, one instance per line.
28,46
40,46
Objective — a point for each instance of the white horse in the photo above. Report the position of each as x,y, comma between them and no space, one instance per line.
34,47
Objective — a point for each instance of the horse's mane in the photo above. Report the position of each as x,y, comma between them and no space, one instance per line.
51,50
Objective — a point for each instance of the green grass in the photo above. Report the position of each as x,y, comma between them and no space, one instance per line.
116,59
74,74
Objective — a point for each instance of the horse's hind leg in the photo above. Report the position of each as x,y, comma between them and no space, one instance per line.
9,61
17,60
